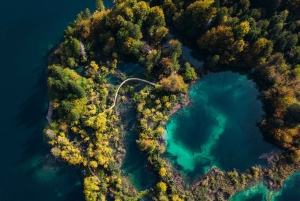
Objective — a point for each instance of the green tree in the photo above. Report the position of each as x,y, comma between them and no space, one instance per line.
134,30
198,14
241,29
212,62
100,5
176,48
71,62
141,11
156,17
70,47
151,59
190,73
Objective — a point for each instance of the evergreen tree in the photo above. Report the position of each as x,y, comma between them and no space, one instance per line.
100,5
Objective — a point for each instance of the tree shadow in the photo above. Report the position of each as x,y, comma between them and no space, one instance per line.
36,157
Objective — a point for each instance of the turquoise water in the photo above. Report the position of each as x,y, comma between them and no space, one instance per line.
28,30
289,192
219,129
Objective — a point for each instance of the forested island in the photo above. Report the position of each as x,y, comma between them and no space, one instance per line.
257,38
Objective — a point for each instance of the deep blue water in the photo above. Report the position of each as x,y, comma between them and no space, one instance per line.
28,29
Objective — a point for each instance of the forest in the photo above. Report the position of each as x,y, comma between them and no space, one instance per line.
259,38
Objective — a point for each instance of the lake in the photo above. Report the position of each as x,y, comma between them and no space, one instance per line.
219,128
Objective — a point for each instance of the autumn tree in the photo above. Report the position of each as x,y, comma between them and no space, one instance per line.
141,11
198,14
241,29
173,83
161,187
218,41
156,17
91,188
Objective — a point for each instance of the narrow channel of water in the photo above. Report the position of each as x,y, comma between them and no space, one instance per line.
135,162
220,127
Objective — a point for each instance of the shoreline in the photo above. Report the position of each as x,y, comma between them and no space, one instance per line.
50,113
186,100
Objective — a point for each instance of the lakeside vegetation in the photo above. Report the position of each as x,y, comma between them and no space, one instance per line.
259,38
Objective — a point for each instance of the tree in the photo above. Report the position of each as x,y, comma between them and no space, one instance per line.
134,30
132,46
87,13
190,73
173,83
141,11
242,29
162,172
293,113
169,8
100,5
176,48
295,156
161,187
198,14
159,34
217,40
70,47
167,66
212,62
296,71
76,89
151,60
156,17
91,188
71,62
291,41
262,47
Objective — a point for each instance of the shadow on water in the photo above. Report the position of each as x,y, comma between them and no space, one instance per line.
36,160
135,163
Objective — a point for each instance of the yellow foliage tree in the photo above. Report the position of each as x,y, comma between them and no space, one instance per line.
173,83
162,172
91,188
161,187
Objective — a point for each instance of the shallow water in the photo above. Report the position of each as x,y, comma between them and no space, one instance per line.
289,192
28,30
220,129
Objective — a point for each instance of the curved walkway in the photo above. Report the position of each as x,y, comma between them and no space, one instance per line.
129,79
90,169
